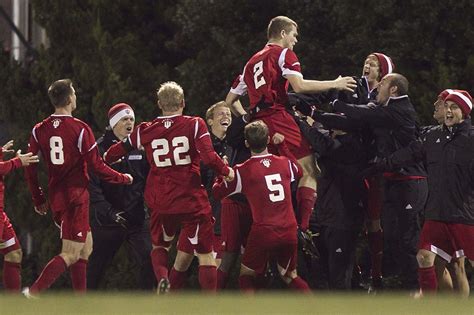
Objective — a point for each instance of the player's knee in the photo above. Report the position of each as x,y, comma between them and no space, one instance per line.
86,252
14,256
206,259
70,257
183,261
425,258
246,271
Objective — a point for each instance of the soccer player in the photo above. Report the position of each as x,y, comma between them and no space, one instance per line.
265,79
9,245
118,212
68,148
174,145
265,180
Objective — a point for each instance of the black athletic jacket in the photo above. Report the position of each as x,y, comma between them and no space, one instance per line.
108,199
449,156
394,126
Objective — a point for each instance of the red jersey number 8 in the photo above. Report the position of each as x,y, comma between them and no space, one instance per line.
161,147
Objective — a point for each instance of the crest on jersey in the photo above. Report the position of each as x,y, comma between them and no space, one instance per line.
56,123
167,123
266,162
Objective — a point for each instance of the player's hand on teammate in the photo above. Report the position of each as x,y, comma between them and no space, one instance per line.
278,138
7,147
231,175
130,178
345,83
27,159
42,209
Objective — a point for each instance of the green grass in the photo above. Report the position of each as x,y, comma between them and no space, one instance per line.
273,303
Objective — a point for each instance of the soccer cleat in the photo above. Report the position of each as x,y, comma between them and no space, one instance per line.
376,285
163,286
28,295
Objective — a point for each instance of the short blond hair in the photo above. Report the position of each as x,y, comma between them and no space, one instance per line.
278,24
170,95
210,111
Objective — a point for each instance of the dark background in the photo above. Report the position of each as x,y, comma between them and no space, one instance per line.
121,50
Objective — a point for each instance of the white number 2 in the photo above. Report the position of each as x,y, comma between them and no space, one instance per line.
161,147
258,78
273,184
56,153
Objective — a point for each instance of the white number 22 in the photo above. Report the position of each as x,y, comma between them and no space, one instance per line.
161,147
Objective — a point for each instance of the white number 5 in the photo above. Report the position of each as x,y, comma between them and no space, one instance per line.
273,184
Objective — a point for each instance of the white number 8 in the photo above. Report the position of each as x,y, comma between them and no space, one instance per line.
273,180
56,153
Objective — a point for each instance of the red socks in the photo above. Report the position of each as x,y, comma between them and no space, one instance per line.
177,279
159,260
55,267
427,280
247,284
376,252
299,284
11,277
222,277
208,278
305,199
78,276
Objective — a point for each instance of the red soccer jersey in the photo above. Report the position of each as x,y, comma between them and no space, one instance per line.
174,146
264,74
265,181
67,145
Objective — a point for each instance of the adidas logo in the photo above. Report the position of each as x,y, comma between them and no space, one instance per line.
408,207
438,141
339,250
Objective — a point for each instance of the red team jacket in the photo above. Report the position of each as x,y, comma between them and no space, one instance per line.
174,146
265,181
263,77
68,147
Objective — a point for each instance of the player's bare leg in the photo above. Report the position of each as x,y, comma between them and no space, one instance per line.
12,271
445,281
460,282
69,255
290,277
426,271
78,270
306,193
247,279
159,259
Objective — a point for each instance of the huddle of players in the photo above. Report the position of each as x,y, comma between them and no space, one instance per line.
259,188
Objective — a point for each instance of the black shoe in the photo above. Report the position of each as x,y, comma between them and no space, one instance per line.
376,285
163,286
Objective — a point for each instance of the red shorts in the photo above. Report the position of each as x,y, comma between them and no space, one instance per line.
282,122
8,240
448,240
73,222
264,244
375,189
236,220
196,235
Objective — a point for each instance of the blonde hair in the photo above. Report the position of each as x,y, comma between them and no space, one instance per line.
170,95
210,111
279,23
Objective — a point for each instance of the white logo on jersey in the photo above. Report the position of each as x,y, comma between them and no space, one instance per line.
79,234
266,162
408,207
56,123
194,240
167,123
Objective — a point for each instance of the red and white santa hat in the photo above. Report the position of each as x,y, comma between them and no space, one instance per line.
386,64
118,111
462,99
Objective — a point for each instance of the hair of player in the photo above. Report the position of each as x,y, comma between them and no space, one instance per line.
59,92
279,23
210,111
400,82
256,134
170,95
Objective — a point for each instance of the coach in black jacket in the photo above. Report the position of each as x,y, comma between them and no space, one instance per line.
395,127
117,212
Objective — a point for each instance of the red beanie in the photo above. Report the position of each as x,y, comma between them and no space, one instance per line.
445,94
386,64
119,111
462,99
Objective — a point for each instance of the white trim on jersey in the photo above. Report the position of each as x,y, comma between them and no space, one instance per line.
33,132
238,186
196,127
79,140
93,146
281,64
241,88
260,156
204,134
139,140
291,72
7,243
292,177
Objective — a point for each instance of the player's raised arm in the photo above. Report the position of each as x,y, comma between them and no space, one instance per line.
301,85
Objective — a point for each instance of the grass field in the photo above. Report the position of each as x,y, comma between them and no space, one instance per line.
234,304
